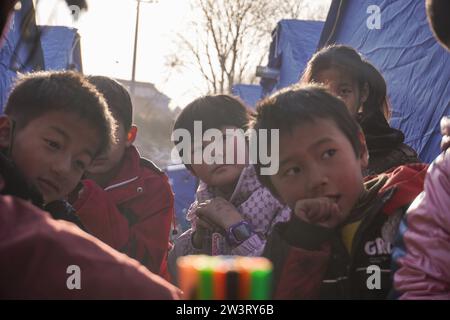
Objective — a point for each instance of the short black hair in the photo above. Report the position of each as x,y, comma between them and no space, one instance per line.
36,94
117,98
296,105
215,112
438,13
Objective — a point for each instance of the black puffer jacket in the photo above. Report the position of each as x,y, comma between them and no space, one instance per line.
385,144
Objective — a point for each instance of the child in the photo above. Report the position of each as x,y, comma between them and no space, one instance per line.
422,249
45,138
342,228
55,124
126,201
233,213
363,89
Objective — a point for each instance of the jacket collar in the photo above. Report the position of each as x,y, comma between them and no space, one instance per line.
129,169
247,184
407,181
390,191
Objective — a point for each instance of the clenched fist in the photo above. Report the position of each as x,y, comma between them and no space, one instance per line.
218,212
319,211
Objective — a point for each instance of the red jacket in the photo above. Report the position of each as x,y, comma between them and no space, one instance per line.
134,213
36,252
311,262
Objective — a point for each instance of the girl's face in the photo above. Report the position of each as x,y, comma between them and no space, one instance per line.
222,176
340,84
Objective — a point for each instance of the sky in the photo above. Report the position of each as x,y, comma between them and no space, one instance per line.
107,32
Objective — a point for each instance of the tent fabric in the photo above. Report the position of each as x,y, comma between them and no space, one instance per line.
15,51
293,44
57,49
61,48
249,93
184,185
415,66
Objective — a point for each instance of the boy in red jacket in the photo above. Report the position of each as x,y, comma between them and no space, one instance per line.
126,201
337,244
55,125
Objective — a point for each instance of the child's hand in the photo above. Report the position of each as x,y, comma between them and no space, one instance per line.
219,212
445,131
202,229
204,222
319,211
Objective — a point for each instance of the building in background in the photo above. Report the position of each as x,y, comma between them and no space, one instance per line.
145,94
154,118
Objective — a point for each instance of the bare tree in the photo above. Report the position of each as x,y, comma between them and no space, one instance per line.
231,37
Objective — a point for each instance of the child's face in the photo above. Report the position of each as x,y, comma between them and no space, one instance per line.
317,160
108,161
219,175
52,151
340,84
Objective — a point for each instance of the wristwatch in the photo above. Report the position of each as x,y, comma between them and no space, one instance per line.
238,233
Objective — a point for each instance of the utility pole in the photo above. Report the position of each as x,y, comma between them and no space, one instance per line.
136,33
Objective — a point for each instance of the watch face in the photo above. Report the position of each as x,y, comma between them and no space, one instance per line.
242,232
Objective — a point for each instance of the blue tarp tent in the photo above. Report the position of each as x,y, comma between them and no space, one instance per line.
28,47
415,66
61,48
293,44
249,93
184,185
